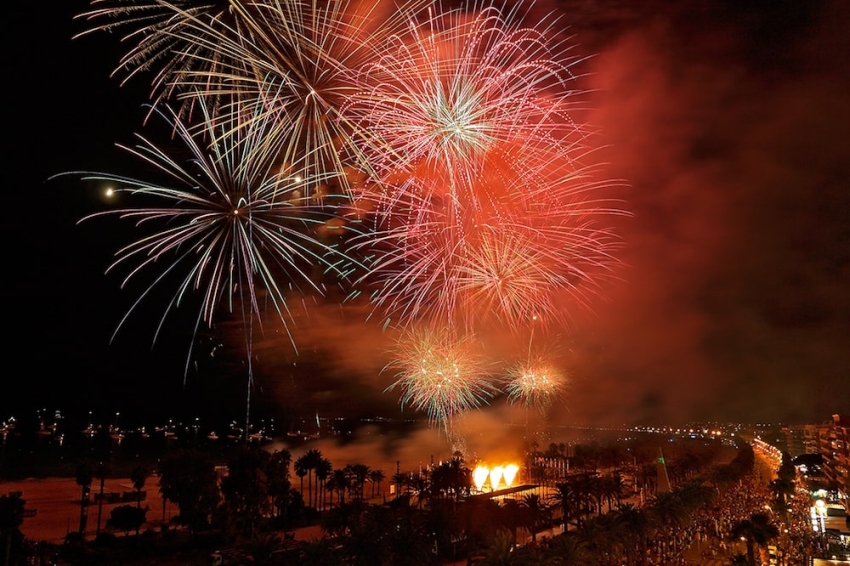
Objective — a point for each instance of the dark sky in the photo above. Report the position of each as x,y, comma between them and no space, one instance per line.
728,120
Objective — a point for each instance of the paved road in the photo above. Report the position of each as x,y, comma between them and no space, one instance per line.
56,502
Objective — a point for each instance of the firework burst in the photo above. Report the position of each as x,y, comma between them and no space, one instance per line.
534,235
535,383
483,205
447,138
234,219
456,88
440,375
223,50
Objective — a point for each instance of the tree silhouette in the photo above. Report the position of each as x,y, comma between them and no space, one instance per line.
301,469
126,518
84,476
246,487
188,478
278,476
376,477
324,467
500,550
637,528
11,519
101,471
568,549
310,460
536,512
358,474
399,479
756,531
139,475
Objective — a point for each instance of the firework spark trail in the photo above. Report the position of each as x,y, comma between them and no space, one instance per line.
445,140
215,53
234,219
481,160
170,39
531,236
459,85
440,375
234,222
535,383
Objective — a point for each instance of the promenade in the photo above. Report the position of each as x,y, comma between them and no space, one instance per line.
54,505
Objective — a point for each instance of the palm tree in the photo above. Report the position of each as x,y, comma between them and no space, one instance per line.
670,514
398,479
84,478
102,470
537,512
313,457
782,489
637,528
597,490
603,536
421,486
359,473
568,549
695,496
139,475
510,517
279,484
614,487
757,530
341,483
189,479
562,498
301,469
584,488
451,479
11,519
246,487
376,477
323,472
500,550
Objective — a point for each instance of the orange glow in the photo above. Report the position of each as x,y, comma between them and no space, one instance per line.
509,474
479,476
496,476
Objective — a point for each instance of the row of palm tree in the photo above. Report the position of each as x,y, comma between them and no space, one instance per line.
323,481
432,516
85,474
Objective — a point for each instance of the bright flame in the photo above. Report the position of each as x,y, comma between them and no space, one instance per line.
495,476
509,474
479,476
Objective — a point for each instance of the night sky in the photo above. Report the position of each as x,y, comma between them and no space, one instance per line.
728,120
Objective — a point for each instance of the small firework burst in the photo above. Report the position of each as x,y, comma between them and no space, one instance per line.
535,383
440,375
